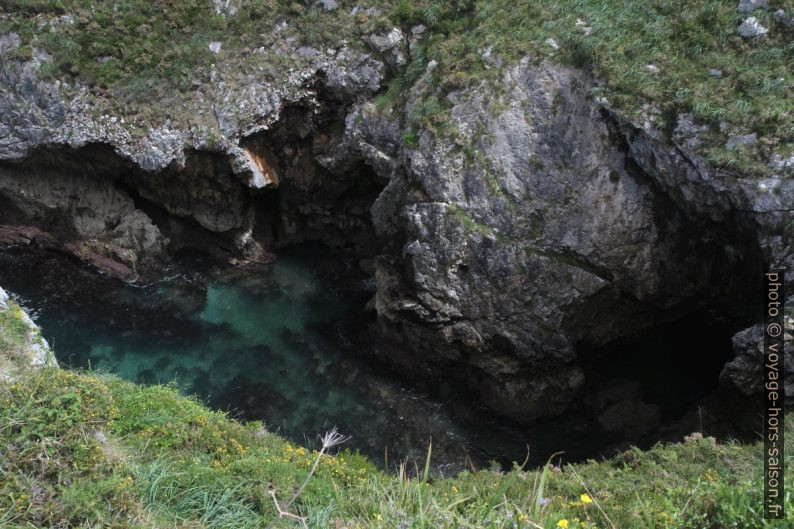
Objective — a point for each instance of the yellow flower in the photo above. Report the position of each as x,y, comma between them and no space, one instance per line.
585,499
563,524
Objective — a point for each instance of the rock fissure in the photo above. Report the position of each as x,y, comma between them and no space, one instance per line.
504,283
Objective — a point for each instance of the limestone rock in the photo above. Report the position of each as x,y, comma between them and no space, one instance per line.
748,6
498,258
390,45
745,373
737,141
784,18
751,28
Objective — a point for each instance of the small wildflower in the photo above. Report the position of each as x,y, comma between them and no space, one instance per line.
563,524
584,498
543,501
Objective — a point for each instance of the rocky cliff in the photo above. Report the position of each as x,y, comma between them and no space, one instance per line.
510,247
551,226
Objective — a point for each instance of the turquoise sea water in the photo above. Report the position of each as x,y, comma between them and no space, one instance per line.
266,345
267,340
273,344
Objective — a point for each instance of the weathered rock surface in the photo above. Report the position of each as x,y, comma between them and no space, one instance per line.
745,373
119,194
550,224
752,28
544,225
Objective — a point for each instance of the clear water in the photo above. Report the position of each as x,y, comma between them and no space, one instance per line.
267,345
272,345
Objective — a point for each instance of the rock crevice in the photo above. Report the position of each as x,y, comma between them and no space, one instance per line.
546,226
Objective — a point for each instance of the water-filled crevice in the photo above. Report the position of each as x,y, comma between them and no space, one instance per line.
234,313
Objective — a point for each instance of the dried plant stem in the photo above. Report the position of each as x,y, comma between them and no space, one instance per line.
282,513
597,504
330,439
306,481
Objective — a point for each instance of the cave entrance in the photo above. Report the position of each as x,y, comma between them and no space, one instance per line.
665,383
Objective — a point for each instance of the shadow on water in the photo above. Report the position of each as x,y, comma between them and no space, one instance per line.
269,345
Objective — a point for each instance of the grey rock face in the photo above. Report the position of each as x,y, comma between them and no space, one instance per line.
745,373
751,28
86,210
226,7
204,176
391,46
35,113
687,132
503,248
748,6
8,42
782,164
784,18
737,141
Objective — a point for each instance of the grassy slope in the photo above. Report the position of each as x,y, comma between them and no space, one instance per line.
142,53
81,450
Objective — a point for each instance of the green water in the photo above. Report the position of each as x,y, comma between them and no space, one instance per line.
267,345
276,345
263,343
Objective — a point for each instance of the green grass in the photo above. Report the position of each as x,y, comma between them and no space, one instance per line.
148,59
16,339
13,328
684,40
82,450
139,45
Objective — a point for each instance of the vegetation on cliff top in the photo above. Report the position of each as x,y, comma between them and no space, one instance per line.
82,450
656,59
